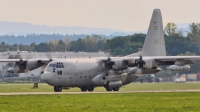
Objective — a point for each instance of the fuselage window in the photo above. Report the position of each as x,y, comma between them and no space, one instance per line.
59,72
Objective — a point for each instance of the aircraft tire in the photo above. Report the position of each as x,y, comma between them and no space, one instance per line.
90,88
115,89
57,88
83,89
108,89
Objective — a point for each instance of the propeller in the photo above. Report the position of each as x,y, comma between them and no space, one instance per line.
109,63
22,64
140,62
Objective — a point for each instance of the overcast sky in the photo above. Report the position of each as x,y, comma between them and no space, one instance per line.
128,15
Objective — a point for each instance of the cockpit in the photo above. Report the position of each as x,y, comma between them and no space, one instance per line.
56,65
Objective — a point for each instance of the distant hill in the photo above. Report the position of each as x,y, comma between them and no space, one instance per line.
22,28
26,33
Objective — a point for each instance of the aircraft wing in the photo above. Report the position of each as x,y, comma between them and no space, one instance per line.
43,60
9,60
174,58
166,60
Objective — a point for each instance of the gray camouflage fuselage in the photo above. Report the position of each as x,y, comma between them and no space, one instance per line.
81,72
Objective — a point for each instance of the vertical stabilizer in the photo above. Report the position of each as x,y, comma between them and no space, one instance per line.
154,44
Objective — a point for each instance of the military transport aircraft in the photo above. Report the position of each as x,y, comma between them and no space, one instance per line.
113,72
110,72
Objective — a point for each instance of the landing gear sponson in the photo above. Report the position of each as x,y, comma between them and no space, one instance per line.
83,89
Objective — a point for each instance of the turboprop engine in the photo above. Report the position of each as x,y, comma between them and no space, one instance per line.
179,68
24,66
119,65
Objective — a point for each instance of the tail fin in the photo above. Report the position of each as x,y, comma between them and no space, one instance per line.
154,44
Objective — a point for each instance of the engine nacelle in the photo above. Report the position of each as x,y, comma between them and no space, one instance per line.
24,67
133,70
16,70
179,68
119,65
33,64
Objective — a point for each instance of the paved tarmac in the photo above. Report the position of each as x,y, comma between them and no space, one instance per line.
97,92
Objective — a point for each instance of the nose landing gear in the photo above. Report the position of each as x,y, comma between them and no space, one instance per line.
57,88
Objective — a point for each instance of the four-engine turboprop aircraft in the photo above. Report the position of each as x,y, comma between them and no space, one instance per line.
110,72
113,72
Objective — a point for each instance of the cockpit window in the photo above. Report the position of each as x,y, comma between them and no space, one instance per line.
50,65
53,65
59,65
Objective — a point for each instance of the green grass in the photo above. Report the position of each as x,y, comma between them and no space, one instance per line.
123,102
134,86
126,102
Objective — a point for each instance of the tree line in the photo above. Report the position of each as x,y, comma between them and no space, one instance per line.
176,43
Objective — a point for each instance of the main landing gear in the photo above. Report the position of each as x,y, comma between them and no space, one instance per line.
83,89
57,88
112,89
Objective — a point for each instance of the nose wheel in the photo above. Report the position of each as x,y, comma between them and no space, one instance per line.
57,88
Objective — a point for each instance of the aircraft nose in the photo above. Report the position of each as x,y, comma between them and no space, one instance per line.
46,77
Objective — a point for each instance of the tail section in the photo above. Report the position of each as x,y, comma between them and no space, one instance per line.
154,44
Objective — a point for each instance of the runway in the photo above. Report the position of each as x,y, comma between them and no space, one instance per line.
98,92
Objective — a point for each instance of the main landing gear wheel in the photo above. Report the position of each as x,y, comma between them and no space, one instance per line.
57,88
90,88
83,89
108,88
115,89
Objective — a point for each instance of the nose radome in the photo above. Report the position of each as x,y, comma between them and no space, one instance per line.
46,76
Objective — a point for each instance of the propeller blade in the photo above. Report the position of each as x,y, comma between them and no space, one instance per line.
140,62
